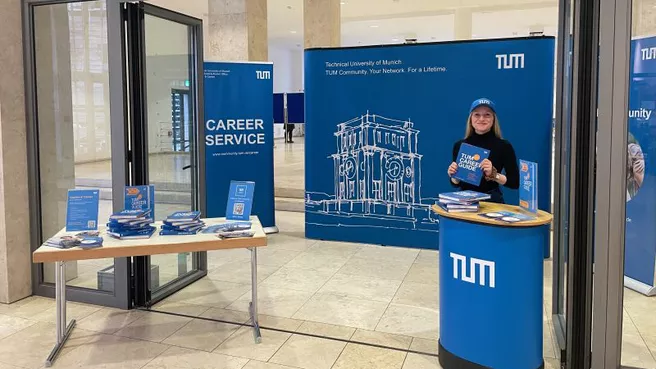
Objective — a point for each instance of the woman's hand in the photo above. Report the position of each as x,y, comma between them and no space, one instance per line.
453,168
486,165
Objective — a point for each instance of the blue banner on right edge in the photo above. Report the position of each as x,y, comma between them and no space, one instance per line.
640,251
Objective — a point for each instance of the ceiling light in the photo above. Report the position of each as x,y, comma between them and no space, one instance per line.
292,31
395,39
374,26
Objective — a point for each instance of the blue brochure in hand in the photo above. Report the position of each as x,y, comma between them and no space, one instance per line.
82,210
528,186
240,200
140,198
469,163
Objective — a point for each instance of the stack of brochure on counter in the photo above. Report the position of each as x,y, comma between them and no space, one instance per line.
182,223
461,201
231,229
131,224
85,240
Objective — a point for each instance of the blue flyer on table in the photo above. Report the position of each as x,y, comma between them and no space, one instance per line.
240,200
82,210
140,198
469,163
528,188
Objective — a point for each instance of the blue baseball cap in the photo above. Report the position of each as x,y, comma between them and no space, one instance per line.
482,102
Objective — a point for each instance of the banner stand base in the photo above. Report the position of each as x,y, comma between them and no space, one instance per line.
637,286
270,230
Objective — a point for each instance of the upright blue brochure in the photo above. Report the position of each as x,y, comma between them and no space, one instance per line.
469,161
240,200
140,198
82,210
528,188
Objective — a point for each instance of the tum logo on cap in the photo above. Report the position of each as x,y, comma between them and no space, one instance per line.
648,53
510,61
263,74
477,268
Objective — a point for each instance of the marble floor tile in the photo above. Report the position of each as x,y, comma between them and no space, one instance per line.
357,356
254,364
418,294
359,287
297,279
424,346
410,321
281,302
109,320
334,248
333,309
154,327
275,257
12,324
382,339
308,352
29,348
242,344
635,352
182,358
110,352
289,242
316,261
201,334
28,307
428,257
7,366
339,332
207,292
415,361
377,268
240,272
73,311
276,322
180,308
423,273
402,254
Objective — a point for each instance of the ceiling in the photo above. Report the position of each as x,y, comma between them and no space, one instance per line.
391,21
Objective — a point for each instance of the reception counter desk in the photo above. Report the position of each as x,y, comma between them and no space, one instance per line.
491,290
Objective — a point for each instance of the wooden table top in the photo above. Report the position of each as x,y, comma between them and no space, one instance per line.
542,217
156,244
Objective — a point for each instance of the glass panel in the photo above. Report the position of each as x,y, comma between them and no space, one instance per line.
639,330
72,91
168,70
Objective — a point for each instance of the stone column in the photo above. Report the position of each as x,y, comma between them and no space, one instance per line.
238,30
322,23
462,24
15,259
644,18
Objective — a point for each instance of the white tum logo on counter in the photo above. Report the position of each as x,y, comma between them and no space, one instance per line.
460,265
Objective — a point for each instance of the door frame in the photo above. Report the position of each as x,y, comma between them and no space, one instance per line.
132,30
120,298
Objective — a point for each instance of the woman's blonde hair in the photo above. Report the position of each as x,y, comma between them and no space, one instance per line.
496,127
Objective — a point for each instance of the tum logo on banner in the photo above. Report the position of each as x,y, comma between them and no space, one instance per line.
648,53
476,267
510,61
263,74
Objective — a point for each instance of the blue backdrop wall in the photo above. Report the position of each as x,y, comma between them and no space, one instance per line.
239,135
381,123
640,250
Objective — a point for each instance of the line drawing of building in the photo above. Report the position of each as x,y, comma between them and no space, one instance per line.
377,172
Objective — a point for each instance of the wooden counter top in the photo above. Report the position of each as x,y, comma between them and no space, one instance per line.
156,244
486,207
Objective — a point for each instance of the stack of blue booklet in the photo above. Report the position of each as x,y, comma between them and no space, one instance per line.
131,224
85,240
182,223
461,201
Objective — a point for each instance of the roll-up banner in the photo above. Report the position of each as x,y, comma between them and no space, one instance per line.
382,121
640,249
239,135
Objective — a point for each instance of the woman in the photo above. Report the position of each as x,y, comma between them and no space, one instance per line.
483,130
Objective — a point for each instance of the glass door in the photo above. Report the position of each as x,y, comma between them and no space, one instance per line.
164,55
71,141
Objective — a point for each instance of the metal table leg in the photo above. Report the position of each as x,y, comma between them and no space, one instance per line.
253,305
63,332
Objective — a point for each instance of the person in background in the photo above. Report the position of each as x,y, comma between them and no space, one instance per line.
500,168
290,130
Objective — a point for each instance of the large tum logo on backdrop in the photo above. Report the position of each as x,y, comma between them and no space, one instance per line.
263,74
510,61
477,270
376,176
648,53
